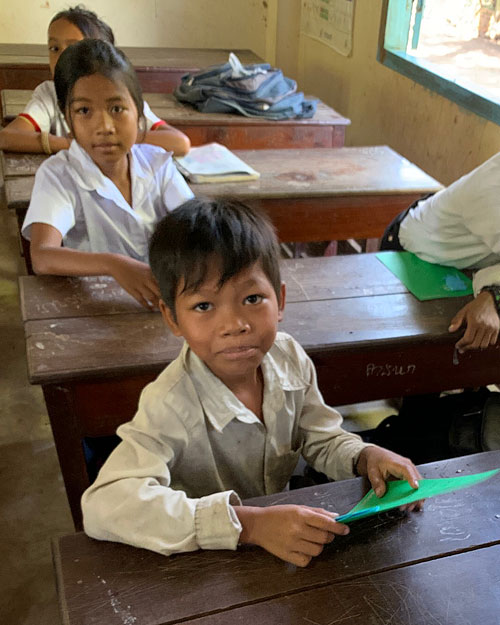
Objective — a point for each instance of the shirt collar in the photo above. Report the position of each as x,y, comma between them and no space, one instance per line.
221,405
90,178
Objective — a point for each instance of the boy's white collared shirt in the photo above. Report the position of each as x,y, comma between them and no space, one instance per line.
193,449
75,197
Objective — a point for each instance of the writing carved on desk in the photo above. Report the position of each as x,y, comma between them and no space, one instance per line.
388,370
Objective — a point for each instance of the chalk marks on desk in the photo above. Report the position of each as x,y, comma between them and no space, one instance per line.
388,369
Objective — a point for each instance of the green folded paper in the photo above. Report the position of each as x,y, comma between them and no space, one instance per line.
426,280
400,493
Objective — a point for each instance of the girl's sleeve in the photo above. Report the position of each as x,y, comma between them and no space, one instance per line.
132,502
175,189
40,109
52,202
327,446
152,121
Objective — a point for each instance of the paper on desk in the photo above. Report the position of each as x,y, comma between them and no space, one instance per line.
400,493
426,280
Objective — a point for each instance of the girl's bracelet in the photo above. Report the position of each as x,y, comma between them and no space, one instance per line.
44,135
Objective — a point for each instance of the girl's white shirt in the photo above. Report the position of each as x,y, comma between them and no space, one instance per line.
75,197
44,110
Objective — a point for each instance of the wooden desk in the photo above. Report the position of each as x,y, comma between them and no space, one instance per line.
325,129
92,348
24,66
438,566
310,194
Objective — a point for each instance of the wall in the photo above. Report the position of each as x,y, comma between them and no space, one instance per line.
388,108
170,23
384,106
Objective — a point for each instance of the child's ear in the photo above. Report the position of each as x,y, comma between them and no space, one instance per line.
169,319
281,302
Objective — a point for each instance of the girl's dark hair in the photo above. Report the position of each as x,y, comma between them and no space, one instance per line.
87,22
231,232
94,56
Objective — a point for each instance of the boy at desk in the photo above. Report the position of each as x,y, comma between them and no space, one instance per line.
231,415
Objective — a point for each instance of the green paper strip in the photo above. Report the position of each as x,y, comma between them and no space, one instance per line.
400,493
426,280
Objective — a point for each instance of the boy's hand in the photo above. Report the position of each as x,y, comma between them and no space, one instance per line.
482,323
295,534
136,278
378,464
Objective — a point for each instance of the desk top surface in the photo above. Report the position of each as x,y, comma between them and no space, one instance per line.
186,59
75,326
108,582
298,174
167,107
462,588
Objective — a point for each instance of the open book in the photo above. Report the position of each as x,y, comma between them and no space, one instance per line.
214,163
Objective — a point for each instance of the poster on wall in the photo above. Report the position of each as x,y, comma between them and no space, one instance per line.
329,21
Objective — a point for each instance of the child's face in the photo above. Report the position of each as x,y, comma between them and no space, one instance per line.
230,328
61,35
103,119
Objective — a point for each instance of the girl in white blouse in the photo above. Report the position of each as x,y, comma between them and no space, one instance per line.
41,127
94,206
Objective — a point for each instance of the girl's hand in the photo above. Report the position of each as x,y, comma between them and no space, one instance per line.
482,323
293,533
379,464
136,278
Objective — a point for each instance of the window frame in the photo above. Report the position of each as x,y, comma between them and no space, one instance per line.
393,42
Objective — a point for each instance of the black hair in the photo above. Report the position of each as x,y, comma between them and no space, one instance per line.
94,56
200,229
87,22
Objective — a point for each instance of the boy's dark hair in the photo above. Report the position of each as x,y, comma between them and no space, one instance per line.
87,22
94,56
233,233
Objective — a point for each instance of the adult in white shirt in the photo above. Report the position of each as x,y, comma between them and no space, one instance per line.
460,226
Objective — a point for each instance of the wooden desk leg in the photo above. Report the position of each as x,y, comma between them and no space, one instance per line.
68,439
372,245
331,249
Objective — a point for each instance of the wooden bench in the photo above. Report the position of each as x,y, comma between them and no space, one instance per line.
436,566
310,194
325,129
24,66
92,348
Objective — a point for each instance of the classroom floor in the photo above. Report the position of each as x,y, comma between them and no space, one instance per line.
32,498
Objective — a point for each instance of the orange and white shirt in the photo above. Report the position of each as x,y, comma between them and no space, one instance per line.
43,112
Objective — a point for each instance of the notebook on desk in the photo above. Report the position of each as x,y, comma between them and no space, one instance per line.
214,163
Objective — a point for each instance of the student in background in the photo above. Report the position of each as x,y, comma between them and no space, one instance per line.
102,198
231,415
460,226
42,126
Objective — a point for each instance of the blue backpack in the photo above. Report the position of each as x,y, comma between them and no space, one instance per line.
252,90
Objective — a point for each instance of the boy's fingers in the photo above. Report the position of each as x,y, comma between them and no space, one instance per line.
308,548
320,537
411,476
326,523
456,322
377,481
299,559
